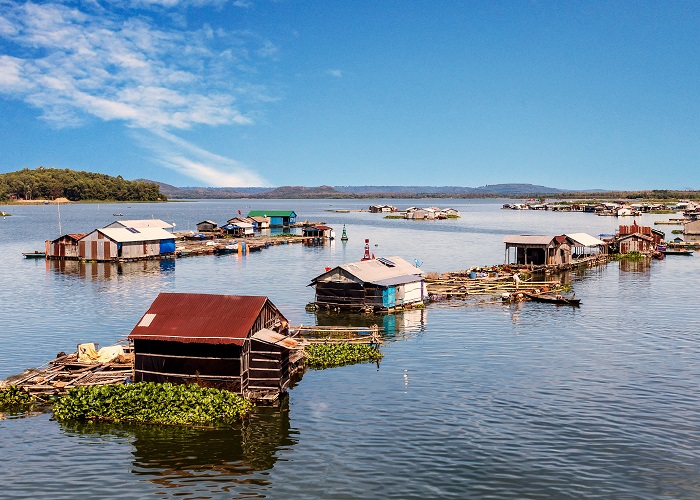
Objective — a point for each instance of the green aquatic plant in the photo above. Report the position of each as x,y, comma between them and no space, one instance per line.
634,256
145,402
321,356
13,398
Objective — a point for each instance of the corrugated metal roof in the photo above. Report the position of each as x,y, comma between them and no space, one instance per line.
139,223
528,239
399,280
200,318
585,240
271,213
123,235
374,271
271,337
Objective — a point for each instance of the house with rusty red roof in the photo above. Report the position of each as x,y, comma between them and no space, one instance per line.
232,342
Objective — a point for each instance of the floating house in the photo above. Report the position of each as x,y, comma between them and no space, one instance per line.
122,243
635,238
318,232
232,342
377,284
537,250
65,247
239,228
206,226
278,218
692,229
262,222
635,242
382,208
140,224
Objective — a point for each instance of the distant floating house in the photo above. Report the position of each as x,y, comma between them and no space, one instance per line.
206,226
382,208
238,227
65,247
318,232
692,230
537,250
278,218
140,224
380,284
262,222
233,342
125,243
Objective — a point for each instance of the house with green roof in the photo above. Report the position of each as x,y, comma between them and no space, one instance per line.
278,218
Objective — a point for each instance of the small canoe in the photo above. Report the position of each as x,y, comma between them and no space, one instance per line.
553,299
34,255
670,251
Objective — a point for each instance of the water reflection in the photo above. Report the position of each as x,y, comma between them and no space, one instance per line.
635,266
105,271
204,462
402,323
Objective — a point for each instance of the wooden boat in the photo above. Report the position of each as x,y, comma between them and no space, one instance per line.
36,254
118,215
553,299
675,251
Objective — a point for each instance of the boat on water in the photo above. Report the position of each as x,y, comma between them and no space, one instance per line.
36,254
553,299
676,251
118,215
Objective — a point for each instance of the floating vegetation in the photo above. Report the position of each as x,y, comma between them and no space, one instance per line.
150,403
15,399
635,256
321,356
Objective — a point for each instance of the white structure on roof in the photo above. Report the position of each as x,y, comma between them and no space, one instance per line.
141,223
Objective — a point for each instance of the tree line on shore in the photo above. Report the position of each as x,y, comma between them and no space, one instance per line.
50,183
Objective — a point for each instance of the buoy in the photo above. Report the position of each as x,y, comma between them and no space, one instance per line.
344,237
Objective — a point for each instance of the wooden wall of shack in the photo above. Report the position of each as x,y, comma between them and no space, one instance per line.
269,367
65,247
212,365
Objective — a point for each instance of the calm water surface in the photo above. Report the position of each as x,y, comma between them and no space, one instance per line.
470,401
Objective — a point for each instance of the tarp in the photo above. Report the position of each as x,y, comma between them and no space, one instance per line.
88,354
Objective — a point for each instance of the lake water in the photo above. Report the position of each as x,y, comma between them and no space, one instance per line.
470,401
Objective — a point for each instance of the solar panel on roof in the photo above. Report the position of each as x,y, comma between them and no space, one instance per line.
132,230
386,262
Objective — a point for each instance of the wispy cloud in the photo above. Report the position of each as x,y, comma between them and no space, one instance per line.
78,64
214,170
337,73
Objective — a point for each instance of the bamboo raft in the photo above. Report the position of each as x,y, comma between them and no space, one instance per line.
310,334
459,286
65,372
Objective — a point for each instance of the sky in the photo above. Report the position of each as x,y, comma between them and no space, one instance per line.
234,93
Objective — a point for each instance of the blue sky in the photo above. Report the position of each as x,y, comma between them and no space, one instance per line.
267,93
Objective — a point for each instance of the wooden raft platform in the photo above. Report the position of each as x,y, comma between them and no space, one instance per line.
336,334
65,372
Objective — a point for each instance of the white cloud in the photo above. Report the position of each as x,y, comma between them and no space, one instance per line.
336,73
77,64
197,163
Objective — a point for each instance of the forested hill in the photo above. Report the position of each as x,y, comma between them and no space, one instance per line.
50,184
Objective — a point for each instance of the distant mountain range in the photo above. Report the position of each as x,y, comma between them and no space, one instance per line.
494,190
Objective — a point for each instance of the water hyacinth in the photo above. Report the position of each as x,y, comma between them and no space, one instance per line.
321,356
145,402
14,398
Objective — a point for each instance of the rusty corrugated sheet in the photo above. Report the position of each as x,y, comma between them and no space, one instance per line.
201,318
272,337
